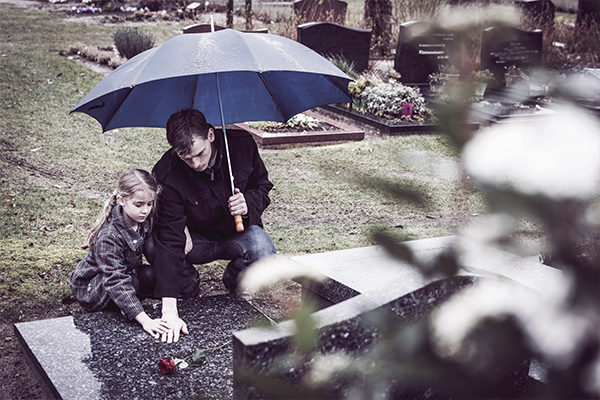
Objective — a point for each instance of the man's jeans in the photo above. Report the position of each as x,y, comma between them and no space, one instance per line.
243,249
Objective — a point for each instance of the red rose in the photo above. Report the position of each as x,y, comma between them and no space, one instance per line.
167,366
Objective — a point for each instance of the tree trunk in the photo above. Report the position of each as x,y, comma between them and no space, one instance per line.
248,15
378,15
229,13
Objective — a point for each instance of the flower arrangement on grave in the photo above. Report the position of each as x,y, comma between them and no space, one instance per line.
513,70
298,123
484,76
437,78
371,95
387,100
512,75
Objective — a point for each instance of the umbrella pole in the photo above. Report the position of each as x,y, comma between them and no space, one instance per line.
239,224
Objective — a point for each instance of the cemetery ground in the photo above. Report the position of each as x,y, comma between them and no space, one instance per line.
56,170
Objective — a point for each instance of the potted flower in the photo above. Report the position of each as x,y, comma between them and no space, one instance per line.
437,80
513,75
451,72
481,79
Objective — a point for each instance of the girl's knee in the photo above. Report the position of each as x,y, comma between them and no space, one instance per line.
147,279
149,251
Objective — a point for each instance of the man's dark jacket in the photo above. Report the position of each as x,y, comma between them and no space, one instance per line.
199,200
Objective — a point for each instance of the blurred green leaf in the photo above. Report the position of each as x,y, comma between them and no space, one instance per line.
305,330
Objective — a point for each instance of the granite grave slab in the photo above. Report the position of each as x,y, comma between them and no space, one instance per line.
103,356
366,279
327,39
422,48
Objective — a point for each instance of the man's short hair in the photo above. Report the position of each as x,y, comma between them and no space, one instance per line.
182,126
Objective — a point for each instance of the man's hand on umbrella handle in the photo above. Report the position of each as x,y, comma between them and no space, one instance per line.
238,207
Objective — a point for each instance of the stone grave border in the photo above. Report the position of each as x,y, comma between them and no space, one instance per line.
343,133
387,127
349,293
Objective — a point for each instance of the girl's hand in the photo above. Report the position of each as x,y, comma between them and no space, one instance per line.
155,327
189,245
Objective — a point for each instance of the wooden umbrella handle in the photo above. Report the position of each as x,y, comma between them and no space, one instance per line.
239,224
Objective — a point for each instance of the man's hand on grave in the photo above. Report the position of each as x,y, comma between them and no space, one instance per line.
237,203
176,324
172,336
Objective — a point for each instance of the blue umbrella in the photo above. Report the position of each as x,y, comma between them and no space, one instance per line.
253,77
229,75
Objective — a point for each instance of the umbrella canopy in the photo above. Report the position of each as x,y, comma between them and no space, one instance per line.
250,77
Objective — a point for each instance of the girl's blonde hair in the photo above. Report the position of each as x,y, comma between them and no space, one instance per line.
131,181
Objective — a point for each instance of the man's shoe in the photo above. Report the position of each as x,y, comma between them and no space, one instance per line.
246,295
242,294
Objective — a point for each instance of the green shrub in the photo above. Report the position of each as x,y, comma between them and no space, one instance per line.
132,41
349,68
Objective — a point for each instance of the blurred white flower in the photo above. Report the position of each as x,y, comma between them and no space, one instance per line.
269,271
325,366
453,321
557,155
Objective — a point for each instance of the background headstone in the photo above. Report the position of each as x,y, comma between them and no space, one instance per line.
321,11
424,47
506,46
330,39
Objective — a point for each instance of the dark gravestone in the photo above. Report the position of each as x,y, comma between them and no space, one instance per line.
329,39
506,46
537,12
321,11
588,11
424,47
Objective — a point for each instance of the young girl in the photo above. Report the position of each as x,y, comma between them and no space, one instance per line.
112,274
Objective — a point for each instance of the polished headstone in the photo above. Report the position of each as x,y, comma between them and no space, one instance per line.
103,356
333,40
423,48
502,47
